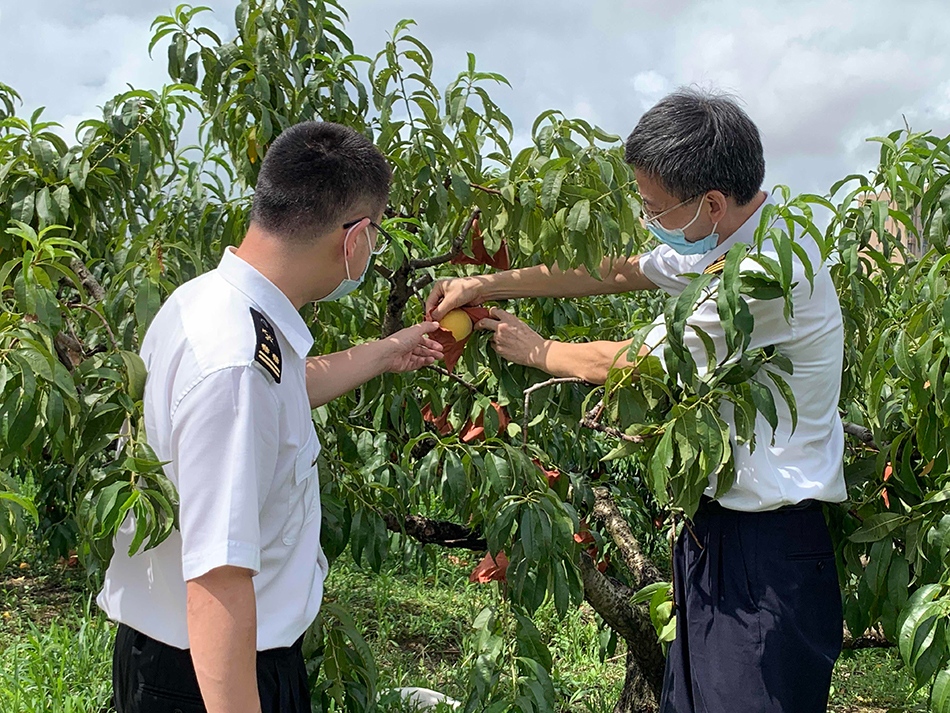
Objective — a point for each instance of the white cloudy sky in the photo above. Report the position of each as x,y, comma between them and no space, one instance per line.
817,77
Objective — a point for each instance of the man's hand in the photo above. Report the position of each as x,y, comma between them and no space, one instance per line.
591,361
222,633
514,340
447,295
410,349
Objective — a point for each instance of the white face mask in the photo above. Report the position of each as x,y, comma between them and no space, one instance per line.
348,284
676,238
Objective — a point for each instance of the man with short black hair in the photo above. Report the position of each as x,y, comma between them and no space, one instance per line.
758,607
212,619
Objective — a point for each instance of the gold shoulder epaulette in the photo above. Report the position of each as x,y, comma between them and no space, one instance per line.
716,267
267,351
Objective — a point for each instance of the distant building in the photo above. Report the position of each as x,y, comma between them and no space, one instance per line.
914,245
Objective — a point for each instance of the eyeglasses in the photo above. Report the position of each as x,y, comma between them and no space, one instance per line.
651,217
377,248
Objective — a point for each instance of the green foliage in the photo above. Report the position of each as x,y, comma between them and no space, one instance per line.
95,235
59,668
895,539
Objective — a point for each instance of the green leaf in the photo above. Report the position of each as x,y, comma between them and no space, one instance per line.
22,201
61,201
877,526
135,374
579,217
147,303
940,697
647,592
764,402
902,356
528,533
551,189
454,479
660,463
786,392
23,502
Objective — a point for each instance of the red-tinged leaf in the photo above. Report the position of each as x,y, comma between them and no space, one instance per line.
553,476
499,261
476,431
441,422
490,569
584,537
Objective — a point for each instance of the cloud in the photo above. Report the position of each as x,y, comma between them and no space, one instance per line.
817,77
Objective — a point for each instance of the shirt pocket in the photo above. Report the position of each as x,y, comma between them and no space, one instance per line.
302,504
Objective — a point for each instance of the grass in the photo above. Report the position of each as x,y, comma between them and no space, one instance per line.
55,647
417,627
874,681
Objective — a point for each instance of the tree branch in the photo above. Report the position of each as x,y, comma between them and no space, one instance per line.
455,377
89,282
642,569
540,385
590,420
611,431
861,433
69,350
384,271
436,532
423,281
454,250
493,191
96,312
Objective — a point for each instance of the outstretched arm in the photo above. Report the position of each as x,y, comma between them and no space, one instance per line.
516,341
619,275
333,375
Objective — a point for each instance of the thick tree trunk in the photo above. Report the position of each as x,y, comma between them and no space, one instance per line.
637,695
645,659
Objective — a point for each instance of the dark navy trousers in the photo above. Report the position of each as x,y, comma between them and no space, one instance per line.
758,613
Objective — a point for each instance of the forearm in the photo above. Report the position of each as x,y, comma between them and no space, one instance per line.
333,375
222,633
619,275
590,361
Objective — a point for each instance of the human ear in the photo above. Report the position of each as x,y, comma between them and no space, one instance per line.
352,236
717,205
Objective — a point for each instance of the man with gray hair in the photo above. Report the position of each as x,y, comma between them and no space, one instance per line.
758,606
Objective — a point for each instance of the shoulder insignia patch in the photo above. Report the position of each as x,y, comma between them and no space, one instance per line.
716,267
267,351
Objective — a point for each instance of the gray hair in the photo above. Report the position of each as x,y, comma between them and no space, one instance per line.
696,141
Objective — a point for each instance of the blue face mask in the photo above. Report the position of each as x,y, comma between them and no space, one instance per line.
347,285
676,238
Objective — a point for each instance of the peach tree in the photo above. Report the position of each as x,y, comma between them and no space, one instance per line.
579,487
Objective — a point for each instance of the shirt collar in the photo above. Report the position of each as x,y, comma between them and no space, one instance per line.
745,233
273,303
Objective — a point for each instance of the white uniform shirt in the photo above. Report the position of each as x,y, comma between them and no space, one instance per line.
226,404
806,463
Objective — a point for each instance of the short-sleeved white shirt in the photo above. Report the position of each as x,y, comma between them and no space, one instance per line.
226,405
806,463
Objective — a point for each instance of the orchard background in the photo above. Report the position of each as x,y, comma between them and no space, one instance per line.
575,490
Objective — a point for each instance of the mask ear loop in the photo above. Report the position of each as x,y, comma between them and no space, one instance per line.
699,209
346,261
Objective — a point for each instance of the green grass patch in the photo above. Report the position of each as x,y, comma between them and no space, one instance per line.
874,680
56,647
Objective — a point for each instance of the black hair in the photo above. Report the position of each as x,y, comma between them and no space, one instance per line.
312,178
695,141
